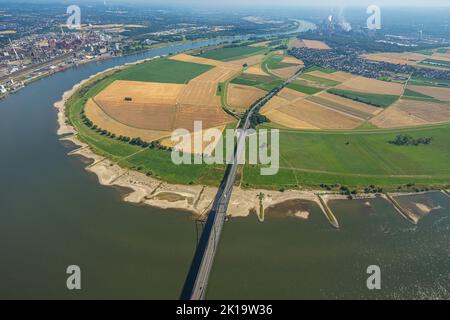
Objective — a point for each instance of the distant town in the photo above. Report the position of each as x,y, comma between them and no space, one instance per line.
36,42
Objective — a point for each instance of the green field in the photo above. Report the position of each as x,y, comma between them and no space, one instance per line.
377,100
319,80
234,53
442,50
420,81
356,159
302,88
149,161
164,70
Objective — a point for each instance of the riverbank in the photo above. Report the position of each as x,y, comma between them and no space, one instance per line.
195,198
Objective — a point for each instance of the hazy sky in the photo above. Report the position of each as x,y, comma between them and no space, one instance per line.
426,3
212,3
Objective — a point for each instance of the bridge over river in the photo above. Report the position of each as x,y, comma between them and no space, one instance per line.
197,278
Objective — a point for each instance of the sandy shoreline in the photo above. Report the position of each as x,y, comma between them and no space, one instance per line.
150,191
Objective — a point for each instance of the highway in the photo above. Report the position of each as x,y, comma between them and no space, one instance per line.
198,276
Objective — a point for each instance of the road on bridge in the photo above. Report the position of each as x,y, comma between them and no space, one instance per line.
197,279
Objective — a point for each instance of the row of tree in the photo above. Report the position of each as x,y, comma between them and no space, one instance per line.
407,140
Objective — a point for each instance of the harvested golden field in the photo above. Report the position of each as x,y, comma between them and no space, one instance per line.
290,94
406,113
104,121
292,60
338,76
367,85
350,103
241,97
200,93
255,70
274,104
435,92
141,92
188,58
255,59
211,116
286,72
314,115
289,121
217,74
408,58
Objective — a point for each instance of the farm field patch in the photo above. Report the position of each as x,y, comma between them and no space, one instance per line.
338,76
255,70
303,88
362,84
128,124
357,159
315,115
321,81
310,44
347,103
265,83
241,97
290,94
406,113
330,103
434,92
287,72
231,53
195,59
164,71
377,100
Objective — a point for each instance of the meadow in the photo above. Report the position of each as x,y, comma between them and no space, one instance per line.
357,159
378,100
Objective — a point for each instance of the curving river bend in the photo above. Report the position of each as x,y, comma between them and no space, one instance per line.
54,214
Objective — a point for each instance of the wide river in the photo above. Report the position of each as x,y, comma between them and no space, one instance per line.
54,214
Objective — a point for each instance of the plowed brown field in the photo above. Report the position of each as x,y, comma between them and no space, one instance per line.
406,113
